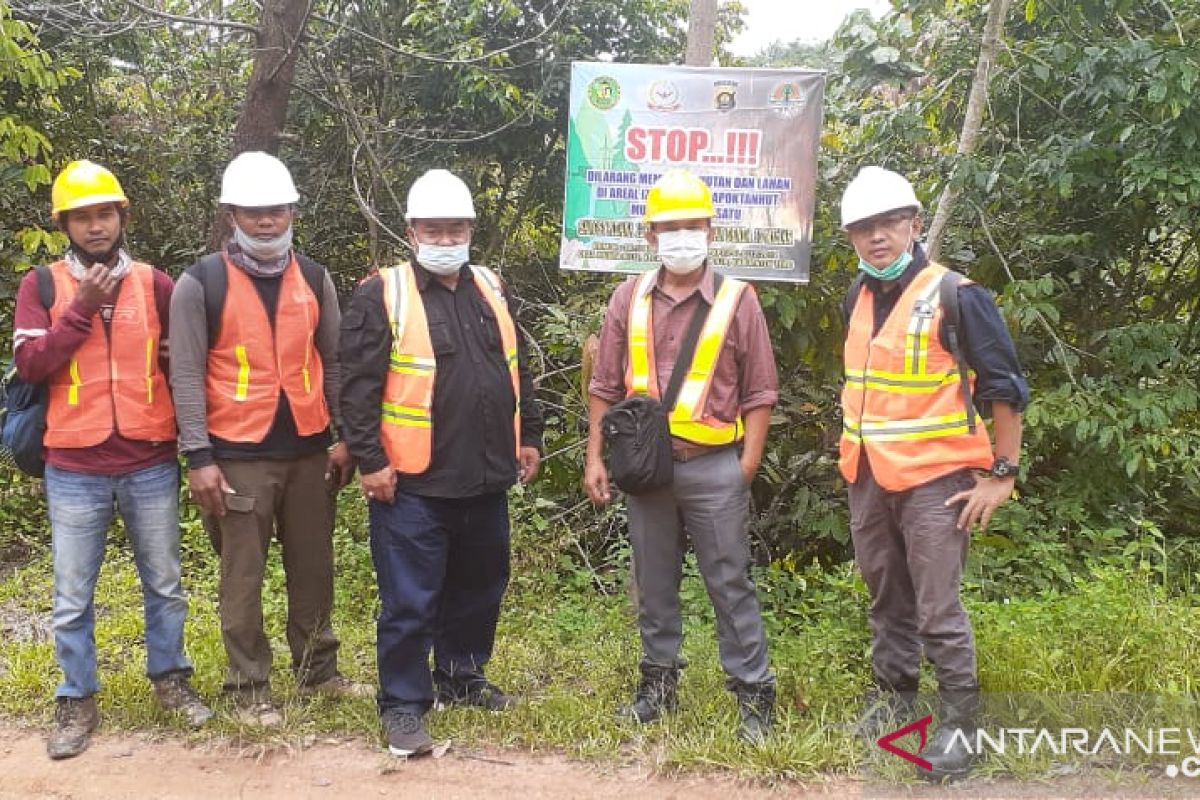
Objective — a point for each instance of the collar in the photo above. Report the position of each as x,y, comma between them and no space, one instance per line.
920,261
424,276
705,287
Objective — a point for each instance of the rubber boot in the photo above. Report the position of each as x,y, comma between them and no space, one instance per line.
885,710
951,750
657,692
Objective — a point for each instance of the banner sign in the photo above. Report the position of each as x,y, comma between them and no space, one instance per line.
750,134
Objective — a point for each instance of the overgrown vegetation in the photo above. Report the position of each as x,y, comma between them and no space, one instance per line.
1078,210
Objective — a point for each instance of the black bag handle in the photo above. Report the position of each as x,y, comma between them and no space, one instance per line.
688,348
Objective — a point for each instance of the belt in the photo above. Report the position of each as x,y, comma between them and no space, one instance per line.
689,450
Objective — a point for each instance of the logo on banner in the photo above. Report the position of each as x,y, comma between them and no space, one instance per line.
725,95
787,99
662,96
888,742
604,93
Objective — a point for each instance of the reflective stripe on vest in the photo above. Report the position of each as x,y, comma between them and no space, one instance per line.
902,402
113,377
688,420
252,361
406,414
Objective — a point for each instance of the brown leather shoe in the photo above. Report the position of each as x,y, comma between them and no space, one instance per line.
74,720
175,693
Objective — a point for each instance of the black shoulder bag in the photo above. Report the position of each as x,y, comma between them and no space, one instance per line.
637,431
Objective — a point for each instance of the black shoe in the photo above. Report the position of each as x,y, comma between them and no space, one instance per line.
883,712
657,692
949,751
756,707
74,720
478,694
405,733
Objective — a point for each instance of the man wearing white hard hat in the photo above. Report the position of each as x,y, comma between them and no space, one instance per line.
255,373
926,352
440,416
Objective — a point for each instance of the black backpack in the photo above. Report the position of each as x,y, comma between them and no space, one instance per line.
23,405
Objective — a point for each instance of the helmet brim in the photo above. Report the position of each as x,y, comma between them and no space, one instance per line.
91,200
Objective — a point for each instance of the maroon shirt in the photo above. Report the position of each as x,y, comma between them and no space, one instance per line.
744,377
41,349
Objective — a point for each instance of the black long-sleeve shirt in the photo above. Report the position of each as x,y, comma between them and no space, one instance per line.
473,448
986,345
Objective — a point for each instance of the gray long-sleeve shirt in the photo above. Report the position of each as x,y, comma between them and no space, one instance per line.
189,363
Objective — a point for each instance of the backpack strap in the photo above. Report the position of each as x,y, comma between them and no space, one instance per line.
210,271
45,283
952,323
851,299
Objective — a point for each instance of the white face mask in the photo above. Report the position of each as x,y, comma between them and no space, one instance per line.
443,259
263,249
683,251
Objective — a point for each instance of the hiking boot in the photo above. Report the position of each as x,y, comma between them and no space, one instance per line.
255,707
339,687
950,751
883,712
756,708
657,692
478,694
405,733
175,693
74,720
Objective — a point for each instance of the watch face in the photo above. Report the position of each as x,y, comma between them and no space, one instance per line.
1002,468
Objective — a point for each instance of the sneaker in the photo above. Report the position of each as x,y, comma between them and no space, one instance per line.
74,720
338,687
405,733
175,693
478,694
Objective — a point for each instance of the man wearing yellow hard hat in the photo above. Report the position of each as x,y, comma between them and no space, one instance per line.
93,328
718,426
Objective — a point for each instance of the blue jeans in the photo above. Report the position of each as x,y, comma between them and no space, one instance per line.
442,567
81,508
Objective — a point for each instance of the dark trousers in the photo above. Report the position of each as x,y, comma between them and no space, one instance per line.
291,502
911,553
442,568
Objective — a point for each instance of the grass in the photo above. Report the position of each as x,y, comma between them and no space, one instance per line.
568,643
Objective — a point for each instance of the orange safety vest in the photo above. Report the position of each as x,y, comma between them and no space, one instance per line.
902,402
251,361
407,413
111,379
687,420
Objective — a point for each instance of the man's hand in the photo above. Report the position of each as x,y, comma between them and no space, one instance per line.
380,485
530,458
749,470
982,500
595,481
98,286
209,488
340,468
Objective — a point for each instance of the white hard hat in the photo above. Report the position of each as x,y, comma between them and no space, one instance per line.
439,194
876,190
255,180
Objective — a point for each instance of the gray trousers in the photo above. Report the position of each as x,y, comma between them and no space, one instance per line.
911,554
709,500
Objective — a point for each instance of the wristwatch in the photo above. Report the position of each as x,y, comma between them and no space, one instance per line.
1003,468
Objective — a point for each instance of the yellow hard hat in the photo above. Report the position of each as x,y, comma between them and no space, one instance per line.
679,194
84,183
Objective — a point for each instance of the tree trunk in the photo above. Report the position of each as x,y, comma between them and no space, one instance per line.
702,33
264,111
997,13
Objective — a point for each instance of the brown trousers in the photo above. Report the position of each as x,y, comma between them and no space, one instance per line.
911,554
288,500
